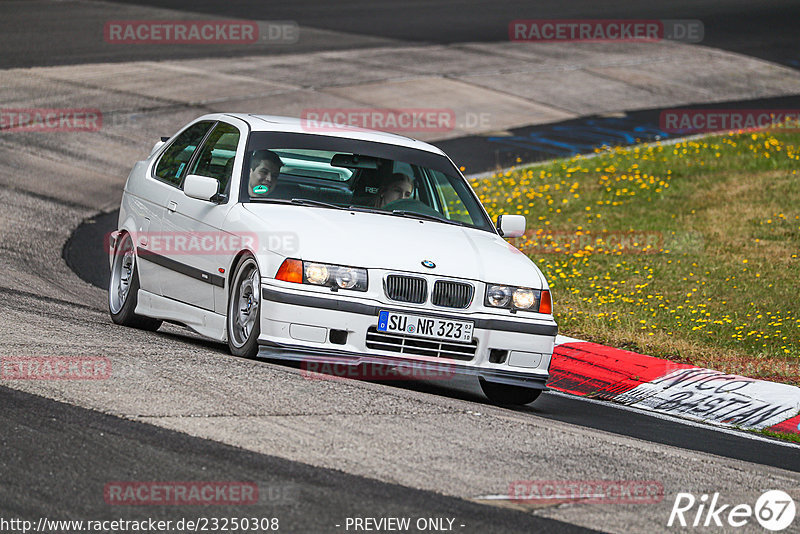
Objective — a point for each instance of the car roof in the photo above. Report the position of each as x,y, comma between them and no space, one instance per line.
276,123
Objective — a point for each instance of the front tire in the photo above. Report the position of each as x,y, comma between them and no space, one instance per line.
123,288
244,309
507,395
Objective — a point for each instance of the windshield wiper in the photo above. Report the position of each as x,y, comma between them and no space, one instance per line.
307,202
418,215
298,202
367,210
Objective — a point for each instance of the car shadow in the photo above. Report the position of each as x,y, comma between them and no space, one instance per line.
453,387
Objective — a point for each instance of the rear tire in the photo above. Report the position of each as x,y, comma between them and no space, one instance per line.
244,309
507,395
123,288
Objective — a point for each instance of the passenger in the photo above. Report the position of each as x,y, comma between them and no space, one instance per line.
265,166
398,186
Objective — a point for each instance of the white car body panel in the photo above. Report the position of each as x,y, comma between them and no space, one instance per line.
296,319
203,322
280,317
382,241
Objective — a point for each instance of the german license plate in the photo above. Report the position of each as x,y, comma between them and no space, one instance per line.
429,327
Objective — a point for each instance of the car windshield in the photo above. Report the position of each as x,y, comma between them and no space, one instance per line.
351,174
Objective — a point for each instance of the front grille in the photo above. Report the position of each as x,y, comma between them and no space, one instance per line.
406,288
451,294
420,347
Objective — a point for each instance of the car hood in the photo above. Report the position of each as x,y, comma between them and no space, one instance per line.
373,240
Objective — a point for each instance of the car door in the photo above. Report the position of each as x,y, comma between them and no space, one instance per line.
200,249
164,179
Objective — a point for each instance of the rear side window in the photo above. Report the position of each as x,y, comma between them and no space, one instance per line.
218,154
175,158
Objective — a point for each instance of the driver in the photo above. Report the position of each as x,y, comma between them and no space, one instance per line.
398,186
265,166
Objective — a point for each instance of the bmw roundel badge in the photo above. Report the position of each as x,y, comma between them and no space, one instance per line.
429,264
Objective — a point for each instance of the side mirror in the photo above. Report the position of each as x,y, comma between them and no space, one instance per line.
511,225
200,187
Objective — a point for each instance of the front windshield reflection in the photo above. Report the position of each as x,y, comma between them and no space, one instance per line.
341,179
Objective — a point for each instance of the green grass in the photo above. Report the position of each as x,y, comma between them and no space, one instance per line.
780,435
712,275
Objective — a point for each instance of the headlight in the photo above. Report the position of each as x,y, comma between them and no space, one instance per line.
524,299
316,273
498,296
323,274
348,278
518,298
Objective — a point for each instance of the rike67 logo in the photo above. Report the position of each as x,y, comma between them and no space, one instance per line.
774,510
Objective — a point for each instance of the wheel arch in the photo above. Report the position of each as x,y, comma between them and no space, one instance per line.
237,259
250,347
112,239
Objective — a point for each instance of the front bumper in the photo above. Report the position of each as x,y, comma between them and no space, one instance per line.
298,325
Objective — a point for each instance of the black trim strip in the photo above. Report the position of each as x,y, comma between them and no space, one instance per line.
178,267
309,301
511,326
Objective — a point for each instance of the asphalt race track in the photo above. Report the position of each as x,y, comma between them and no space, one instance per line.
84,253
179,408
760,29
113,447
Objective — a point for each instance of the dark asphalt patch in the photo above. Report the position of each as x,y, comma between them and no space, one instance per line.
85,251
56,460
530,144
72,33
607,417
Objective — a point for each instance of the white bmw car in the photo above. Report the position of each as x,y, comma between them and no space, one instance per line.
338,245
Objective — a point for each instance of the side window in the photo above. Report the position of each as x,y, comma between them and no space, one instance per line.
173,161
452,205
218,154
